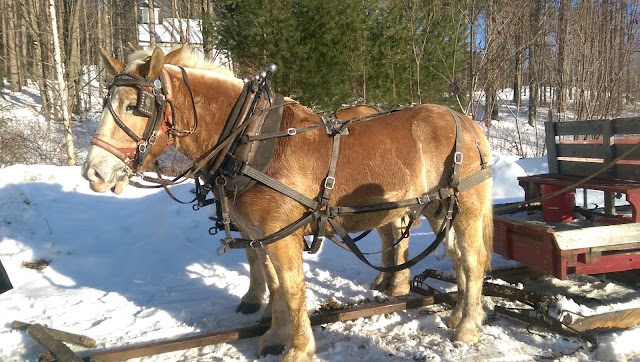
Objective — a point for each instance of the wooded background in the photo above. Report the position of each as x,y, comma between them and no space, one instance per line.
573,57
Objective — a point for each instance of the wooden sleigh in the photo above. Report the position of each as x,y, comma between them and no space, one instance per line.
606,239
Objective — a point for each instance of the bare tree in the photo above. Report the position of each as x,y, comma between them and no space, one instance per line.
12,51
62,86
152,24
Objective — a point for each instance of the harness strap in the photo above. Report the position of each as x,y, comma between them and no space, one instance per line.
441,194
457,155
235,243
444,230
329,184
187,83
234,166
118,152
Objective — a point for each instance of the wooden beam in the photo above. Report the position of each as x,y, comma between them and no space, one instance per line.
618,319
62,336
60,351
205,339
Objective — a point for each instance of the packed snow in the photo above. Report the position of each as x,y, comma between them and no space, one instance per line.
140,267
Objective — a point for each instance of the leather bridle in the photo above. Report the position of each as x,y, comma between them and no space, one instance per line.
153,104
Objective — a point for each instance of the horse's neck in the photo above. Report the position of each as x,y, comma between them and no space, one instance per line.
214,95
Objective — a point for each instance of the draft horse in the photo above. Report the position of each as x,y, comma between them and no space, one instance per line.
419,160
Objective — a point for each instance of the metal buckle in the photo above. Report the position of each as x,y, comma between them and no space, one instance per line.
142,147
329,182
449,215
252,242
457,158
420,199
292,131
153,137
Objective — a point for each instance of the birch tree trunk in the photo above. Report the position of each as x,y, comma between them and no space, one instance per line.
62,87
152,25
14,76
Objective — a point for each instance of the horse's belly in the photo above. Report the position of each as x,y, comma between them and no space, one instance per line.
369,220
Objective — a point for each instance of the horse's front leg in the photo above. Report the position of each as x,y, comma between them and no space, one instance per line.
252,300
290,326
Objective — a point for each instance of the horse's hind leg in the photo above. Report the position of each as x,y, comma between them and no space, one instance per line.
395,284
471,257
468,303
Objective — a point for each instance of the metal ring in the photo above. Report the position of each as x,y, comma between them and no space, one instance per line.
221,183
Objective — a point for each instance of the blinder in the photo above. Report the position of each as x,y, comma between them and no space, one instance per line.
146,103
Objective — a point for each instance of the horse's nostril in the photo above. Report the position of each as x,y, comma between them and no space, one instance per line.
94,176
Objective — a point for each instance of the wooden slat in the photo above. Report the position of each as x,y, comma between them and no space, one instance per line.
579,150
581,169
626,126
627,172
63,336
591,127
622,148
598,237
608,155
552,152
595,183
60,351
606,321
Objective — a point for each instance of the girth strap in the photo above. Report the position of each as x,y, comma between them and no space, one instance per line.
349,242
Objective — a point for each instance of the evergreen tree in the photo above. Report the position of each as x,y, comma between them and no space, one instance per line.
334,52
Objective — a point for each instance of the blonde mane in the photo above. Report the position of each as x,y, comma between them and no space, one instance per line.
186,57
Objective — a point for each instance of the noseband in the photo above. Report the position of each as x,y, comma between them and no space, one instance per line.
150,104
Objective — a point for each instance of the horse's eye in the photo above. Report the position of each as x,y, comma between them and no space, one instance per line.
130,108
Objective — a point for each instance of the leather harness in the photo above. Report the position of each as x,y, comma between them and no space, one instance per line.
239,170
243,151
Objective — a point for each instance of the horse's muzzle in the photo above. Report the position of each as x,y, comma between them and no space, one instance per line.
104,174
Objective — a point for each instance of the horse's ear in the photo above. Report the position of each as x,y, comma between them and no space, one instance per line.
176,54
154,64
112,65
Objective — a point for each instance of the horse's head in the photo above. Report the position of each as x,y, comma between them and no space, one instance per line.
132,130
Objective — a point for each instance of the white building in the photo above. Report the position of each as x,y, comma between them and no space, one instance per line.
172,32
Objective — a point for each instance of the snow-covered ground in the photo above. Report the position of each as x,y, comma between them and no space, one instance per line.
139,267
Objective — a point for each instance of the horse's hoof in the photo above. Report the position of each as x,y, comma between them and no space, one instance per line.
398,290
248,308
380,284
275,349
468,335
